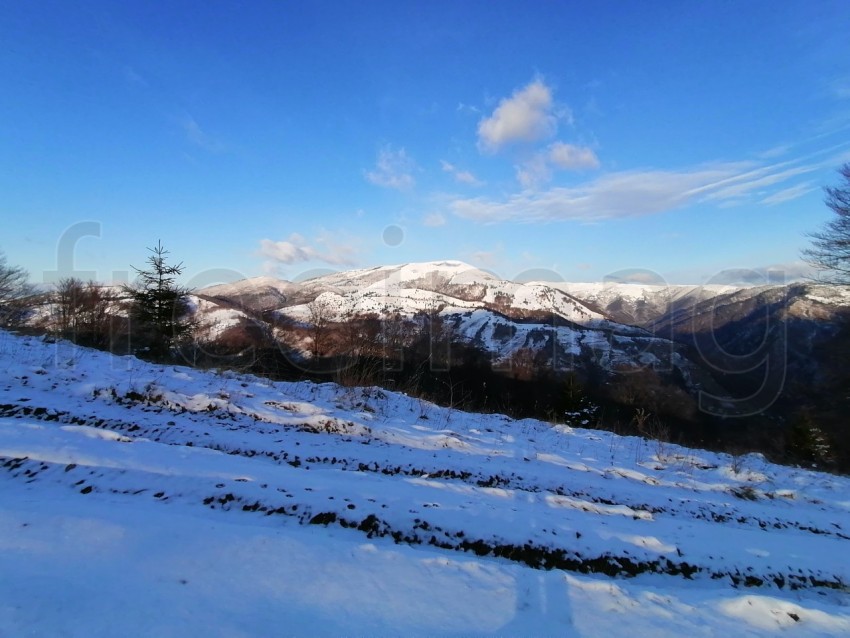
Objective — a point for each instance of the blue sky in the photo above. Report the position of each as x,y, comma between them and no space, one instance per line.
671,140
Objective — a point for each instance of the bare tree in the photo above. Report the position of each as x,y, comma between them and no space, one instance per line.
397,333
437,336
82,312
65,298
321,315
98,319
830,250
14,288
352,335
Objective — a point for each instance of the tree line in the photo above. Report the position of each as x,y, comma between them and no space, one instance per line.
149,318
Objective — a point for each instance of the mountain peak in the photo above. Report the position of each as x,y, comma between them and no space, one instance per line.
250,283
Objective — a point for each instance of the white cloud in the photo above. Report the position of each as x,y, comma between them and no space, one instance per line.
434,220
530,116
295,250
527,116
464,177
393,169
572,158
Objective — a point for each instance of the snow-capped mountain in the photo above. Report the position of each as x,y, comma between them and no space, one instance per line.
640,304
501,317
681,309
411,288
257,293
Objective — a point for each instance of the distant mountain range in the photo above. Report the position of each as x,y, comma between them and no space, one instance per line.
499,317
712,337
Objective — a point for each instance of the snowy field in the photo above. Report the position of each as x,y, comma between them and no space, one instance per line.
165,501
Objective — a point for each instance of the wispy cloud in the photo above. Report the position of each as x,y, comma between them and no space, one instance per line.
200,138
463,177
133,78
841,87
434,220
533,172
790,193
467,108
740,185
393,169
625,194
645,192
295,250
529,115
488,259
628,194
775,151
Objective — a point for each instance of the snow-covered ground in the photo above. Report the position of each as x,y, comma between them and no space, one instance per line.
161,500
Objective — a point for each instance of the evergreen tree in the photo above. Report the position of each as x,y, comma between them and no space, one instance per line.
159,307
807,443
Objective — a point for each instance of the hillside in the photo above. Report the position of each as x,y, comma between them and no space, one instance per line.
143,499
782,348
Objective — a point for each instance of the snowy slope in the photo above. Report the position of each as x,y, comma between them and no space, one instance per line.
236,506
213,319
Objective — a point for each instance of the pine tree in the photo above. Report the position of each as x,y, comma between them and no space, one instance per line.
160,307
807,443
